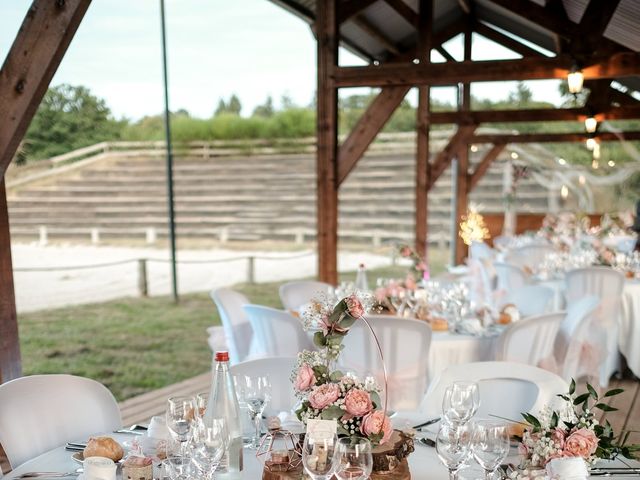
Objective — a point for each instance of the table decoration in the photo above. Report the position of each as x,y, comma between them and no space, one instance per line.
573,430
279,449
329,394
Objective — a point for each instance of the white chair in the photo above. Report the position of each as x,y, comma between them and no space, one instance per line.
42,412
529,256
506,389
573,339
237,328
276,333
530,299
509,276
278,370
502,242
405,344
480,250
530,340
607,284
294,295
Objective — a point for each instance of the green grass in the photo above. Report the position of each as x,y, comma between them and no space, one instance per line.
134,345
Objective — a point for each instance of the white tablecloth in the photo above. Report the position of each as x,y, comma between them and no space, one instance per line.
454,349
629,323
423,464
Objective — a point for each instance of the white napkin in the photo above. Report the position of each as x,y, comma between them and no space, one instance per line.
158,428
470,326
570,468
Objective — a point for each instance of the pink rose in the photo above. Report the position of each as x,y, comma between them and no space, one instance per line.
354,307
421,266
375,422
357,402
581,443
558,436
305,379
405,252
324,395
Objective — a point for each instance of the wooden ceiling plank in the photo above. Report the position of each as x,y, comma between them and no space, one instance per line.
349,8
376,34
404,10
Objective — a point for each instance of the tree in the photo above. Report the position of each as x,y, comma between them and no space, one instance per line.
287,102
68,118
266,110
522,96
221,108
234,106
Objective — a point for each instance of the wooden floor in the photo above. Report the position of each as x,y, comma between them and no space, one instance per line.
141,408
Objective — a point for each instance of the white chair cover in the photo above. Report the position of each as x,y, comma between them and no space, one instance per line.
530,340
278,370
529,256
237,329
42,412
276,333
506,389
509,277
481,276
405,344
606,284
502,242
576,356
480,250
530,299
294,295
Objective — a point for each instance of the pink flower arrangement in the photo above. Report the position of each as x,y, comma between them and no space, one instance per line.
581,443
357,402
378,424
305,379
354,306
324,395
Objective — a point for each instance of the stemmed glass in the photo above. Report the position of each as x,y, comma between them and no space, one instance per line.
460,402
177,467
256,393
202,399
453,447
354,460
490,445
318,455
180,418
209,444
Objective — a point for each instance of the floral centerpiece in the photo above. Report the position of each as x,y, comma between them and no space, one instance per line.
573,431
327,393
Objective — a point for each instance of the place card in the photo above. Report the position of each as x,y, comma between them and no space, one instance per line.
321,429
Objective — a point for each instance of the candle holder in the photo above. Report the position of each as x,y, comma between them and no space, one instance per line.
279,451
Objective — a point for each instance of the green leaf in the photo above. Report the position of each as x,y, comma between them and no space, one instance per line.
572,387
334,339
615,391
554,420
605,408
592,391
564,397
319,340
347,321
375,399
580,398
332,413
531,420
336,376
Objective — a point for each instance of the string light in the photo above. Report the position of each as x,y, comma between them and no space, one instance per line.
596,151
582,180
473,227
575,79
591,143
590,124
611,163
514,155
564,191
474,148
595,164
562,161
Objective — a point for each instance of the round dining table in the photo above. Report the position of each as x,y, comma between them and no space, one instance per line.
423,464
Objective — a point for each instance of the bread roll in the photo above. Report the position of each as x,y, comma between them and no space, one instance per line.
103,447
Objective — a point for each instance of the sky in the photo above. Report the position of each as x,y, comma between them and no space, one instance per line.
216,48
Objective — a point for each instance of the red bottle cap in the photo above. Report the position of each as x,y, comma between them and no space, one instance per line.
222,356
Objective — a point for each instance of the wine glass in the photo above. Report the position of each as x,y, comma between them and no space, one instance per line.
460,402
354,460
177,467
318,454
490,445
209,444
453,447
202,400
256,393
180,418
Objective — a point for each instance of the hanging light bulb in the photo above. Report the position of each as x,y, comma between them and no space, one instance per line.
562,161
575,79
595,164
514,155
591,143
596,151
611,163
564,191
474,148
590,124
582,180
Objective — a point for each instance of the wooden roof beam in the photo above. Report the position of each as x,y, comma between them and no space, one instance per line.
404,10
551,137
505,40
42,41
376,34
484,164
534,115
349,8
594,22
447,56
609,66
459,140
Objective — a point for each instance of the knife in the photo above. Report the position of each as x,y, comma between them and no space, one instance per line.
427,423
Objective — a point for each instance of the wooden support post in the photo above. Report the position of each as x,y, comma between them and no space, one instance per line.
443,159
484,165
327,138
10,366
425,23
30,65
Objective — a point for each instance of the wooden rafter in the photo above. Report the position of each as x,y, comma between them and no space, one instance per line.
443,159
484,164
376,34
505,40
447,56
368,126
348,8
535,115
610,66
595,19
550,137
30,65
404,10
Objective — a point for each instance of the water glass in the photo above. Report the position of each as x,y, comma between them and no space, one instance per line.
318,455
180,418
453,447
460,402
255,393
490,445
177,468
209,444
202,400
354,460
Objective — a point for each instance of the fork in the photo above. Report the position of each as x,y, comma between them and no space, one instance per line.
48,474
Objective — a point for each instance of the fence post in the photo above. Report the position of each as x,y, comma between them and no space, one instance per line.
95,236
43,235
143,286
151,235
251,270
